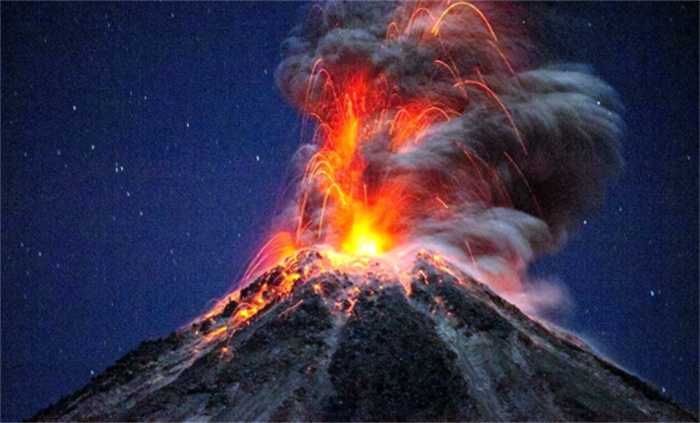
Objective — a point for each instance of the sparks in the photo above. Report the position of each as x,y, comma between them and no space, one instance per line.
422,134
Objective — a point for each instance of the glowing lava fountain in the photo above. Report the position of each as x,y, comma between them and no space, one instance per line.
427,126
438,161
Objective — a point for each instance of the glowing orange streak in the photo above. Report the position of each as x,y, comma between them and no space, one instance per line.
330,177
494,174
480,75
340,192
500,185
437,109
351,307
302,210
413,127
527,184
439,200
325,164
215,333
325,202
414,15
423,275
322,125
402,111
263,254
503,107
433,108
449,69
503,56
454,74
322,130
346,141
409,127
436,28
381,120
313,171
328,85
309,81
401,129
471,254
471,159
291,308
321,156
256,261
317,162
389,32
307,94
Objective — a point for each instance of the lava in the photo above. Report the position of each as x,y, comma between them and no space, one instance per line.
430,130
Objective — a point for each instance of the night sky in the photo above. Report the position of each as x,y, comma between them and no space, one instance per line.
145,147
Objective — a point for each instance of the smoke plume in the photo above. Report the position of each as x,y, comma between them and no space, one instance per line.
429,125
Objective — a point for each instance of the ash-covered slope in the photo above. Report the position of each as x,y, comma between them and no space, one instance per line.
359,346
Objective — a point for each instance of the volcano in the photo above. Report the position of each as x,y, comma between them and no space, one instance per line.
307,341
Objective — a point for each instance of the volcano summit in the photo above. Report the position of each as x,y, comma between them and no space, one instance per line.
363,345
440,156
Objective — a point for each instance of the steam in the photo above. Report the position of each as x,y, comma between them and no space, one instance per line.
526,151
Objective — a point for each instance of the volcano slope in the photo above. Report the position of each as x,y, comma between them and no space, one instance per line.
340,346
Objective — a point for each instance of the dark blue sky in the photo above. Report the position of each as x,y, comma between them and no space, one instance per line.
144,148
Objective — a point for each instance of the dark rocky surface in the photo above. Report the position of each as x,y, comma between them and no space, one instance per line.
360,346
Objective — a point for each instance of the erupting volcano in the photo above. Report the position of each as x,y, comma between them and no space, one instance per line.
439,158
429,126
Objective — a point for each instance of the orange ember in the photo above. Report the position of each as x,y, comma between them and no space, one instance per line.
348,116
345,206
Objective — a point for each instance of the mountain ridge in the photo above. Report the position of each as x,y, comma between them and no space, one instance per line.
342,345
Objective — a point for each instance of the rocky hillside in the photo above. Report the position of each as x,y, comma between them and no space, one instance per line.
339,346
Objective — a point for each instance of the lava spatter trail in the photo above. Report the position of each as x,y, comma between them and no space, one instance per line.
438,159
427,125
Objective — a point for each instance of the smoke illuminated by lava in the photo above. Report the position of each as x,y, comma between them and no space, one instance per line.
427,127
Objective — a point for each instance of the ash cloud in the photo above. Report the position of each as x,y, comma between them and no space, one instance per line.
515,188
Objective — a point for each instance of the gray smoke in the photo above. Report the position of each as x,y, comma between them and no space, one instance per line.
513,194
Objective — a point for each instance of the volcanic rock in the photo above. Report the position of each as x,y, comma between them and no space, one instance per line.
358,345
